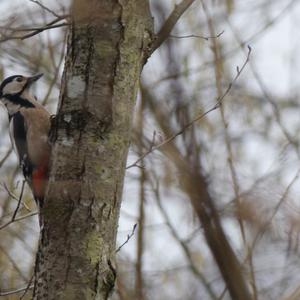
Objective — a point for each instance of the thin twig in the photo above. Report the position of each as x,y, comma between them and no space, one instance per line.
29,286
35,30
199,117
25,29
18,219
129,236
152,144
13,196
56,72
6,155
45,8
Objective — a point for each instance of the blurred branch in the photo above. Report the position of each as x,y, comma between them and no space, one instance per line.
29,286
199,117
18,219
139,280
295,295
269,220
45,7
6,155
272,21
8,254
218,68
13,196
169,24
121,288
17,234
252,38
19,202
33,31
182,244
195,186
193,183
267,96
16,291
56,72
223,293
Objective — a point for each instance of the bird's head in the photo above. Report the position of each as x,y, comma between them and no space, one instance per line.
17,84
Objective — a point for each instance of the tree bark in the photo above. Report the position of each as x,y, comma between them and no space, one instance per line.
105,55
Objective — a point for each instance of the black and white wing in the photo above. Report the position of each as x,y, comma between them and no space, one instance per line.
17,130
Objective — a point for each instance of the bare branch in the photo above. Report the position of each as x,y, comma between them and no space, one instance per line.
218,67
19,202
18,219
45,8
129,236
267,95
199,117
230,52
140,243
278,205
295,294
169,24
6,155
13,196
34,30
29,286
16,291
181,243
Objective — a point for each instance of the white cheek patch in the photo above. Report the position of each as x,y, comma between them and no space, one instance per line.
13,87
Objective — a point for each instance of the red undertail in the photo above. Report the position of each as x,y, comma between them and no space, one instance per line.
39,181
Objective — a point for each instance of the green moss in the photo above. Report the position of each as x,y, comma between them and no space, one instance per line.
70,292
116,141
94,244
103,48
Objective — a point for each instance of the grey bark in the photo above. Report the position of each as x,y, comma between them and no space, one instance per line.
105,55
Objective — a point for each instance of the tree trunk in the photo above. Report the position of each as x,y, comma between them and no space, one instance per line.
105,55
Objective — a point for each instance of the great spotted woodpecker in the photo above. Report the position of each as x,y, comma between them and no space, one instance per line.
29,125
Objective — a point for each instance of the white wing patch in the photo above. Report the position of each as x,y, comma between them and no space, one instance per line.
13,87
11,135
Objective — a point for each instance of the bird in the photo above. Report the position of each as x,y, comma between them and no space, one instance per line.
29,127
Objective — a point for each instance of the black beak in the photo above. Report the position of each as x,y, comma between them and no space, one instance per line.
32,79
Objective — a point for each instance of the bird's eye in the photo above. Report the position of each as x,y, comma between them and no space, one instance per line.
19,79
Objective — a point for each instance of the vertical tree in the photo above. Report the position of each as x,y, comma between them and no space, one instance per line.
105,54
